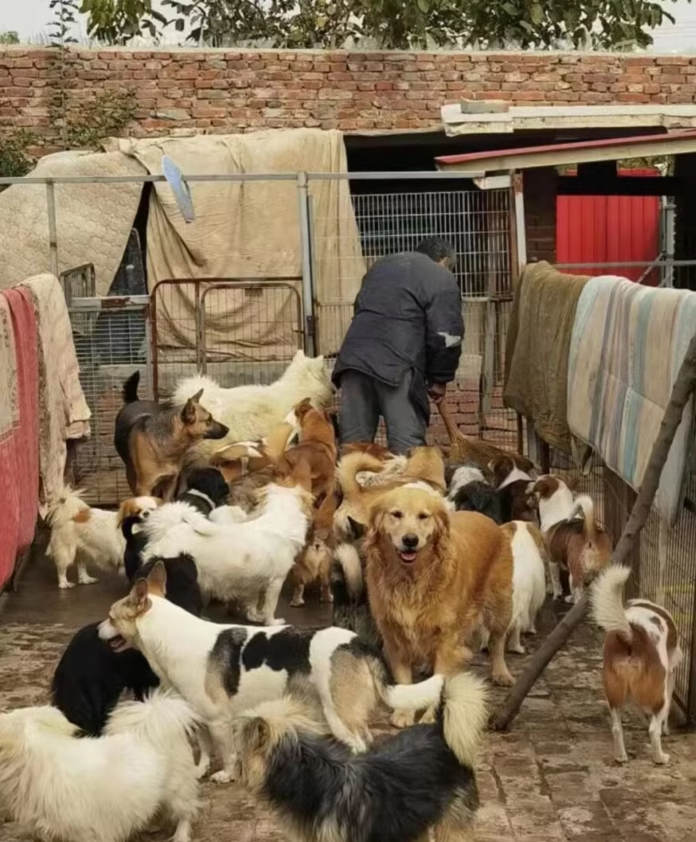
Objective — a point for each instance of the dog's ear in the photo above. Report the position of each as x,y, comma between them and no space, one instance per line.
139,596
573,483
157,580
302,408
544,487
188,413
357,530
259,733
128,508
442,523
197,397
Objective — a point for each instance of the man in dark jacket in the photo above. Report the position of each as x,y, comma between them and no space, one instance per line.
403,346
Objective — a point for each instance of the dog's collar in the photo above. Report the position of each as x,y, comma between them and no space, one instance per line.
196,493
515,475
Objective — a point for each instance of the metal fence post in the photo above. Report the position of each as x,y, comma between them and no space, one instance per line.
52,226
306,258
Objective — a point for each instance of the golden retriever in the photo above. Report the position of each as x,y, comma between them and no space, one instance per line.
434,578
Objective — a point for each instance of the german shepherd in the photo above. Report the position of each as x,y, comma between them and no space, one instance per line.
153,439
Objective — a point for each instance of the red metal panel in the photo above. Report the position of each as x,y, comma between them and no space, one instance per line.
609,229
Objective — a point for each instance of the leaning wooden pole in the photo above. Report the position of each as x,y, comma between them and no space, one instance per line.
684,385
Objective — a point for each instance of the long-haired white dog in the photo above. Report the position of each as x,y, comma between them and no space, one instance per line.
245,562
81,534
251,412
100,789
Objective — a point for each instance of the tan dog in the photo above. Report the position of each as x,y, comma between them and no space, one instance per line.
317,447
314,563
434,578
153,440
424,465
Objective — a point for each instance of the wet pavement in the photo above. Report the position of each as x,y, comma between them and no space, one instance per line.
550,779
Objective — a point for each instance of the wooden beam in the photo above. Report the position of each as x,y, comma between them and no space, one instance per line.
624,186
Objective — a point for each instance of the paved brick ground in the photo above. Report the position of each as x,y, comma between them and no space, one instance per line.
550,779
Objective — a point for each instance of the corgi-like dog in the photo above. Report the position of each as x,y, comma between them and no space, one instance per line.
641,656
574,540
109,788
82,534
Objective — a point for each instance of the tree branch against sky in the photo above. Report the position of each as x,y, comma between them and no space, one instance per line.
400,24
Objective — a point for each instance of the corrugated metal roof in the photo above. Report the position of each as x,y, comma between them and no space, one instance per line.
578,152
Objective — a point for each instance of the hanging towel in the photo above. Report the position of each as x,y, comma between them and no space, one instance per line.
9,421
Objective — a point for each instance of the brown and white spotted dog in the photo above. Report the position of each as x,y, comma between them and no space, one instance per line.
641,655
572,536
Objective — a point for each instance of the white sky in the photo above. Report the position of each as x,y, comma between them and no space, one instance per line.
30,17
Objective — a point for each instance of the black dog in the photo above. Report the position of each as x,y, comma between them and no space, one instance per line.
477,496
91,677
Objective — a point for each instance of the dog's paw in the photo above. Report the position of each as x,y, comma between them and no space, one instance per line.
297,602
276,621
518,650
222,777
64,586
661,759
502,679
402,718
326,597
255,616
429,717
570,599
621,758
202,769
88,580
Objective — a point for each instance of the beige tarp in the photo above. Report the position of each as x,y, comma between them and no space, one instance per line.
93,220
249,229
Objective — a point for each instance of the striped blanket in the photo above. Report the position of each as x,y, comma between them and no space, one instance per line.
627,345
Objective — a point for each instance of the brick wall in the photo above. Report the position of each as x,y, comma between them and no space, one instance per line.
232,90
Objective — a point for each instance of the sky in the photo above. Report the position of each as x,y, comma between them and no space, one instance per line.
29,19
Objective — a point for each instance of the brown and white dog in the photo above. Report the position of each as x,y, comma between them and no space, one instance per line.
434,580
575,543
641,655
81,534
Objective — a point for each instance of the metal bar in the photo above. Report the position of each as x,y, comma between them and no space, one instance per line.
306,259
427,175
52,227
630,263
520,224
110,302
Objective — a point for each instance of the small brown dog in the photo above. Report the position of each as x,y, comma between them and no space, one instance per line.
576,544
314,563
316,446
153,440
434,579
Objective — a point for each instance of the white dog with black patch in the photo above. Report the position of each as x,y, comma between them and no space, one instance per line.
222,670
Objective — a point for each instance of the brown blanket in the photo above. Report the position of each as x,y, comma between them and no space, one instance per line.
536,357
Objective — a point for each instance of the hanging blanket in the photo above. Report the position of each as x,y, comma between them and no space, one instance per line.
63,410
9,421
627,346
536,364
21,306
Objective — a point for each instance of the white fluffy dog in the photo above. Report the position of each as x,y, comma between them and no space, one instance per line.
245,562
80,534
100,789
251,412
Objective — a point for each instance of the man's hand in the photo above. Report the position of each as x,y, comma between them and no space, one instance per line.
436,392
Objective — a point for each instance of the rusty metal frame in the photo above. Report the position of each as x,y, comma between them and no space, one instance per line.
286,281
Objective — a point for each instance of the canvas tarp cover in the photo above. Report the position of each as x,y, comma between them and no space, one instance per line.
93,221
248,230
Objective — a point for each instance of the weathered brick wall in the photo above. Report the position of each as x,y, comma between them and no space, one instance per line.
233,90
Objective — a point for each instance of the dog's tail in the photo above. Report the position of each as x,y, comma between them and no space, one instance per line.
419,696
275,444
164,519
351,465
162,717
464,716
583,503
348,560
66,505
608,609
130,388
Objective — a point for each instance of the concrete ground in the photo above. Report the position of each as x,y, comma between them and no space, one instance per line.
551,779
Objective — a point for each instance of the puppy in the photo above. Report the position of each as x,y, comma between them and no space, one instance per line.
153,439
576,544
80,534
244,562
433,579
314,562
529,559
641,656
108,788
130,520
223,669
512,485
420,780
91,676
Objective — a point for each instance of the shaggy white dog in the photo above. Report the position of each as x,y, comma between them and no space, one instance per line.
100,789
251,412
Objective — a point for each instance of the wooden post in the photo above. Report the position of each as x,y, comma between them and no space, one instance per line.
683,387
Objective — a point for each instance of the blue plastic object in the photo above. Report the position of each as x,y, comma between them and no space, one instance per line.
180,188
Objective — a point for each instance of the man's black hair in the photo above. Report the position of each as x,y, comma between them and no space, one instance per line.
437,249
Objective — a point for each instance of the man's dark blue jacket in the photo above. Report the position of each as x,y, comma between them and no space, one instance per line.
408,316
